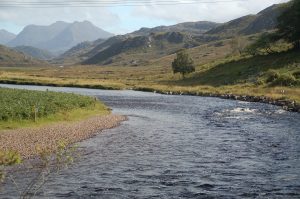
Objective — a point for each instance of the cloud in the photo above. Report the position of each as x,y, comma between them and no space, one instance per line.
122,19
21,17
218,12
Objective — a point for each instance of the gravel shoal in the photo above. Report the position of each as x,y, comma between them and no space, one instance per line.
26,140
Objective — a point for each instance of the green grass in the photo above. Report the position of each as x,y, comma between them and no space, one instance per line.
17,108
241,70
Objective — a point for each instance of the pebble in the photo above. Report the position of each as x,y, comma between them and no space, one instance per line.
26,140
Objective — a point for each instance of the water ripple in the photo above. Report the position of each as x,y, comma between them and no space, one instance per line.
185,147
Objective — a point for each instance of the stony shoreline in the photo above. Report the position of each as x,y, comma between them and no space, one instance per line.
26,140
287,105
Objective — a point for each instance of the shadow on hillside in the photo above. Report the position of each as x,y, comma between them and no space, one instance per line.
241,71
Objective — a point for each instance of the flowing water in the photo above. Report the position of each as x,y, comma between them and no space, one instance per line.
184,147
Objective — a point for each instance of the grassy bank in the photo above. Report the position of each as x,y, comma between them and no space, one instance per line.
22,108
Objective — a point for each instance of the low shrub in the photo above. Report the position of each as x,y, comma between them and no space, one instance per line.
272,76
296,74
285,80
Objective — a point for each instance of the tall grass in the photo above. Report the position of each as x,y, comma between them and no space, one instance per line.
25,105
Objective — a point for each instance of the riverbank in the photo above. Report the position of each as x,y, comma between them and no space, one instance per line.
26,140
285,103
285,97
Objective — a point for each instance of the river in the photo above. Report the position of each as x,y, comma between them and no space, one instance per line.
183,147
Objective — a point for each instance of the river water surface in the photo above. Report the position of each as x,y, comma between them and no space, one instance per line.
184,147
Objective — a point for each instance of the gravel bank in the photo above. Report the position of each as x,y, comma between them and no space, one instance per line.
25,140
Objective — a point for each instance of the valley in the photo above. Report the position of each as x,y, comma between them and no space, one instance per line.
171,99
142,60
218,72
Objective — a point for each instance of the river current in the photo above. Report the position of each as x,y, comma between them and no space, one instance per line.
183,147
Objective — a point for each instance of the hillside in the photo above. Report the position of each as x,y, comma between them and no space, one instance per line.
250,24
138,50
35,52
77,53
58,37
194,28
140,47
6,36
86,50
10,57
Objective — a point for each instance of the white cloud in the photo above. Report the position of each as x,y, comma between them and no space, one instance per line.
218,12
124,19
100,16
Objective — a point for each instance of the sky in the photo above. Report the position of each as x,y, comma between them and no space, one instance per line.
121,18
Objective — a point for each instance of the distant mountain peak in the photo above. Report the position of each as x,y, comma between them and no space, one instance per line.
59,36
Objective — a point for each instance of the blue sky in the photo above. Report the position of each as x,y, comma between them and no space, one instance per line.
124,19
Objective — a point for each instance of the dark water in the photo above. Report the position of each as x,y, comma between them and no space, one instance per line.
184,147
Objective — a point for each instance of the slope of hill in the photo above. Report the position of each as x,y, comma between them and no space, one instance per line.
86,50
35,52
77,53
6,36
123,50
265,20
138,50
194,28
60,36
233,27
250,24
10,58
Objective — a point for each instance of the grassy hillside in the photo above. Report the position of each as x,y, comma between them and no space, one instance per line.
35,52
10,57
140,47
265,20
139,50
194,28
254,70
86,50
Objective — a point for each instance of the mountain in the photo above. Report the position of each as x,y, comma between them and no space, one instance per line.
33,35
251,24
10,57
265,20
58,37
194,28
152,43
6,36
86,50
35,52
138,50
